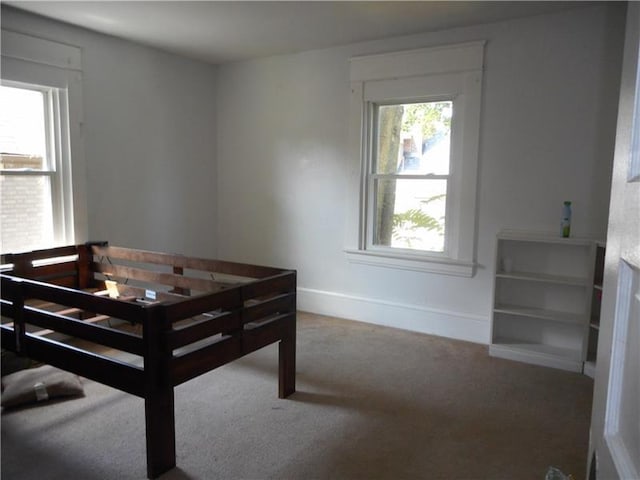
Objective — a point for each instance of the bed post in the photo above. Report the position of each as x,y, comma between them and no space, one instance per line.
158,402
84,271
287,360
287,354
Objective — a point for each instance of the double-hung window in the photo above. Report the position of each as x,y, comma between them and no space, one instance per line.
409,177
41,154
32,179
415,125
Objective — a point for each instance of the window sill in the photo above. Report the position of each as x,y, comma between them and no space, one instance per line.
417,263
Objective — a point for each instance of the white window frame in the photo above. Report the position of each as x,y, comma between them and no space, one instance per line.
452,72
58,158
35,63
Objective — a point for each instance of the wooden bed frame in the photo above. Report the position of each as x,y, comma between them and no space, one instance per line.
89,309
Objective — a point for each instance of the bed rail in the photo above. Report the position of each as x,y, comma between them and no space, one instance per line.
59,266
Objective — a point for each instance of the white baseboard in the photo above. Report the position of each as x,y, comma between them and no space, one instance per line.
443,323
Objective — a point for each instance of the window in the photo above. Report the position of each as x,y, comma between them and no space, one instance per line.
31,181
415,127
409,177
41,202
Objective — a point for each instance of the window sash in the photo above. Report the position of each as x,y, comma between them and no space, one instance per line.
374,128
444,88
371,206
52,118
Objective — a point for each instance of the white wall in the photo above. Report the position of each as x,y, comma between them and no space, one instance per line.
278,130
149,138
548,123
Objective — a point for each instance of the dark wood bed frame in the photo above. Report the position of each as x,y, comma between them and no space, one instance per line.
185,317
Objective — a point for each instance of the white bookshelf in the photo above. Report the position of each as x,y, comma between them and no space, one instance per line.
542,304
594,321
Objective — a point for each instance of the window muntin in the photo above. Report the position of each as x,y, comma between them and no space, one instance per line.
409,176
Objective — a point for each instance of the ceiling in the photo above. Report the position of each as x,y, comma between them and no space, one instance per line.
225,31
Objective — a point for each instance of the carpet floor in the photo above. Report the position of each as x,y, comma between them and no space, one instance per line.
371,403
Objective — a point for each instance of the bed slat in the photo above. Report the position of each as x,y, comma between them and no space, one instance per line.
267,333
40,254
179,337
282,283
109,371
225,300
280,304
74,298
99,334
121,271
207,265
190,365
55,269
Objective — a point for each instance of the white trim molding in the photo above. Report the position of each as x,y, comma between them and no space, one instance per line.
442,72
444,323
437,60
38,50
412,262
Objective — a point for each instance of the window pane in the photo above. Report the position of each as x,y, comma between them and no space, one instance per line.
410,213
22,128
414,138
27,220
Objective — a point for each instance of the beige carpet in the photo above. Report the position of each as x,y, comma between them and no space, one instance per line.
372,403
